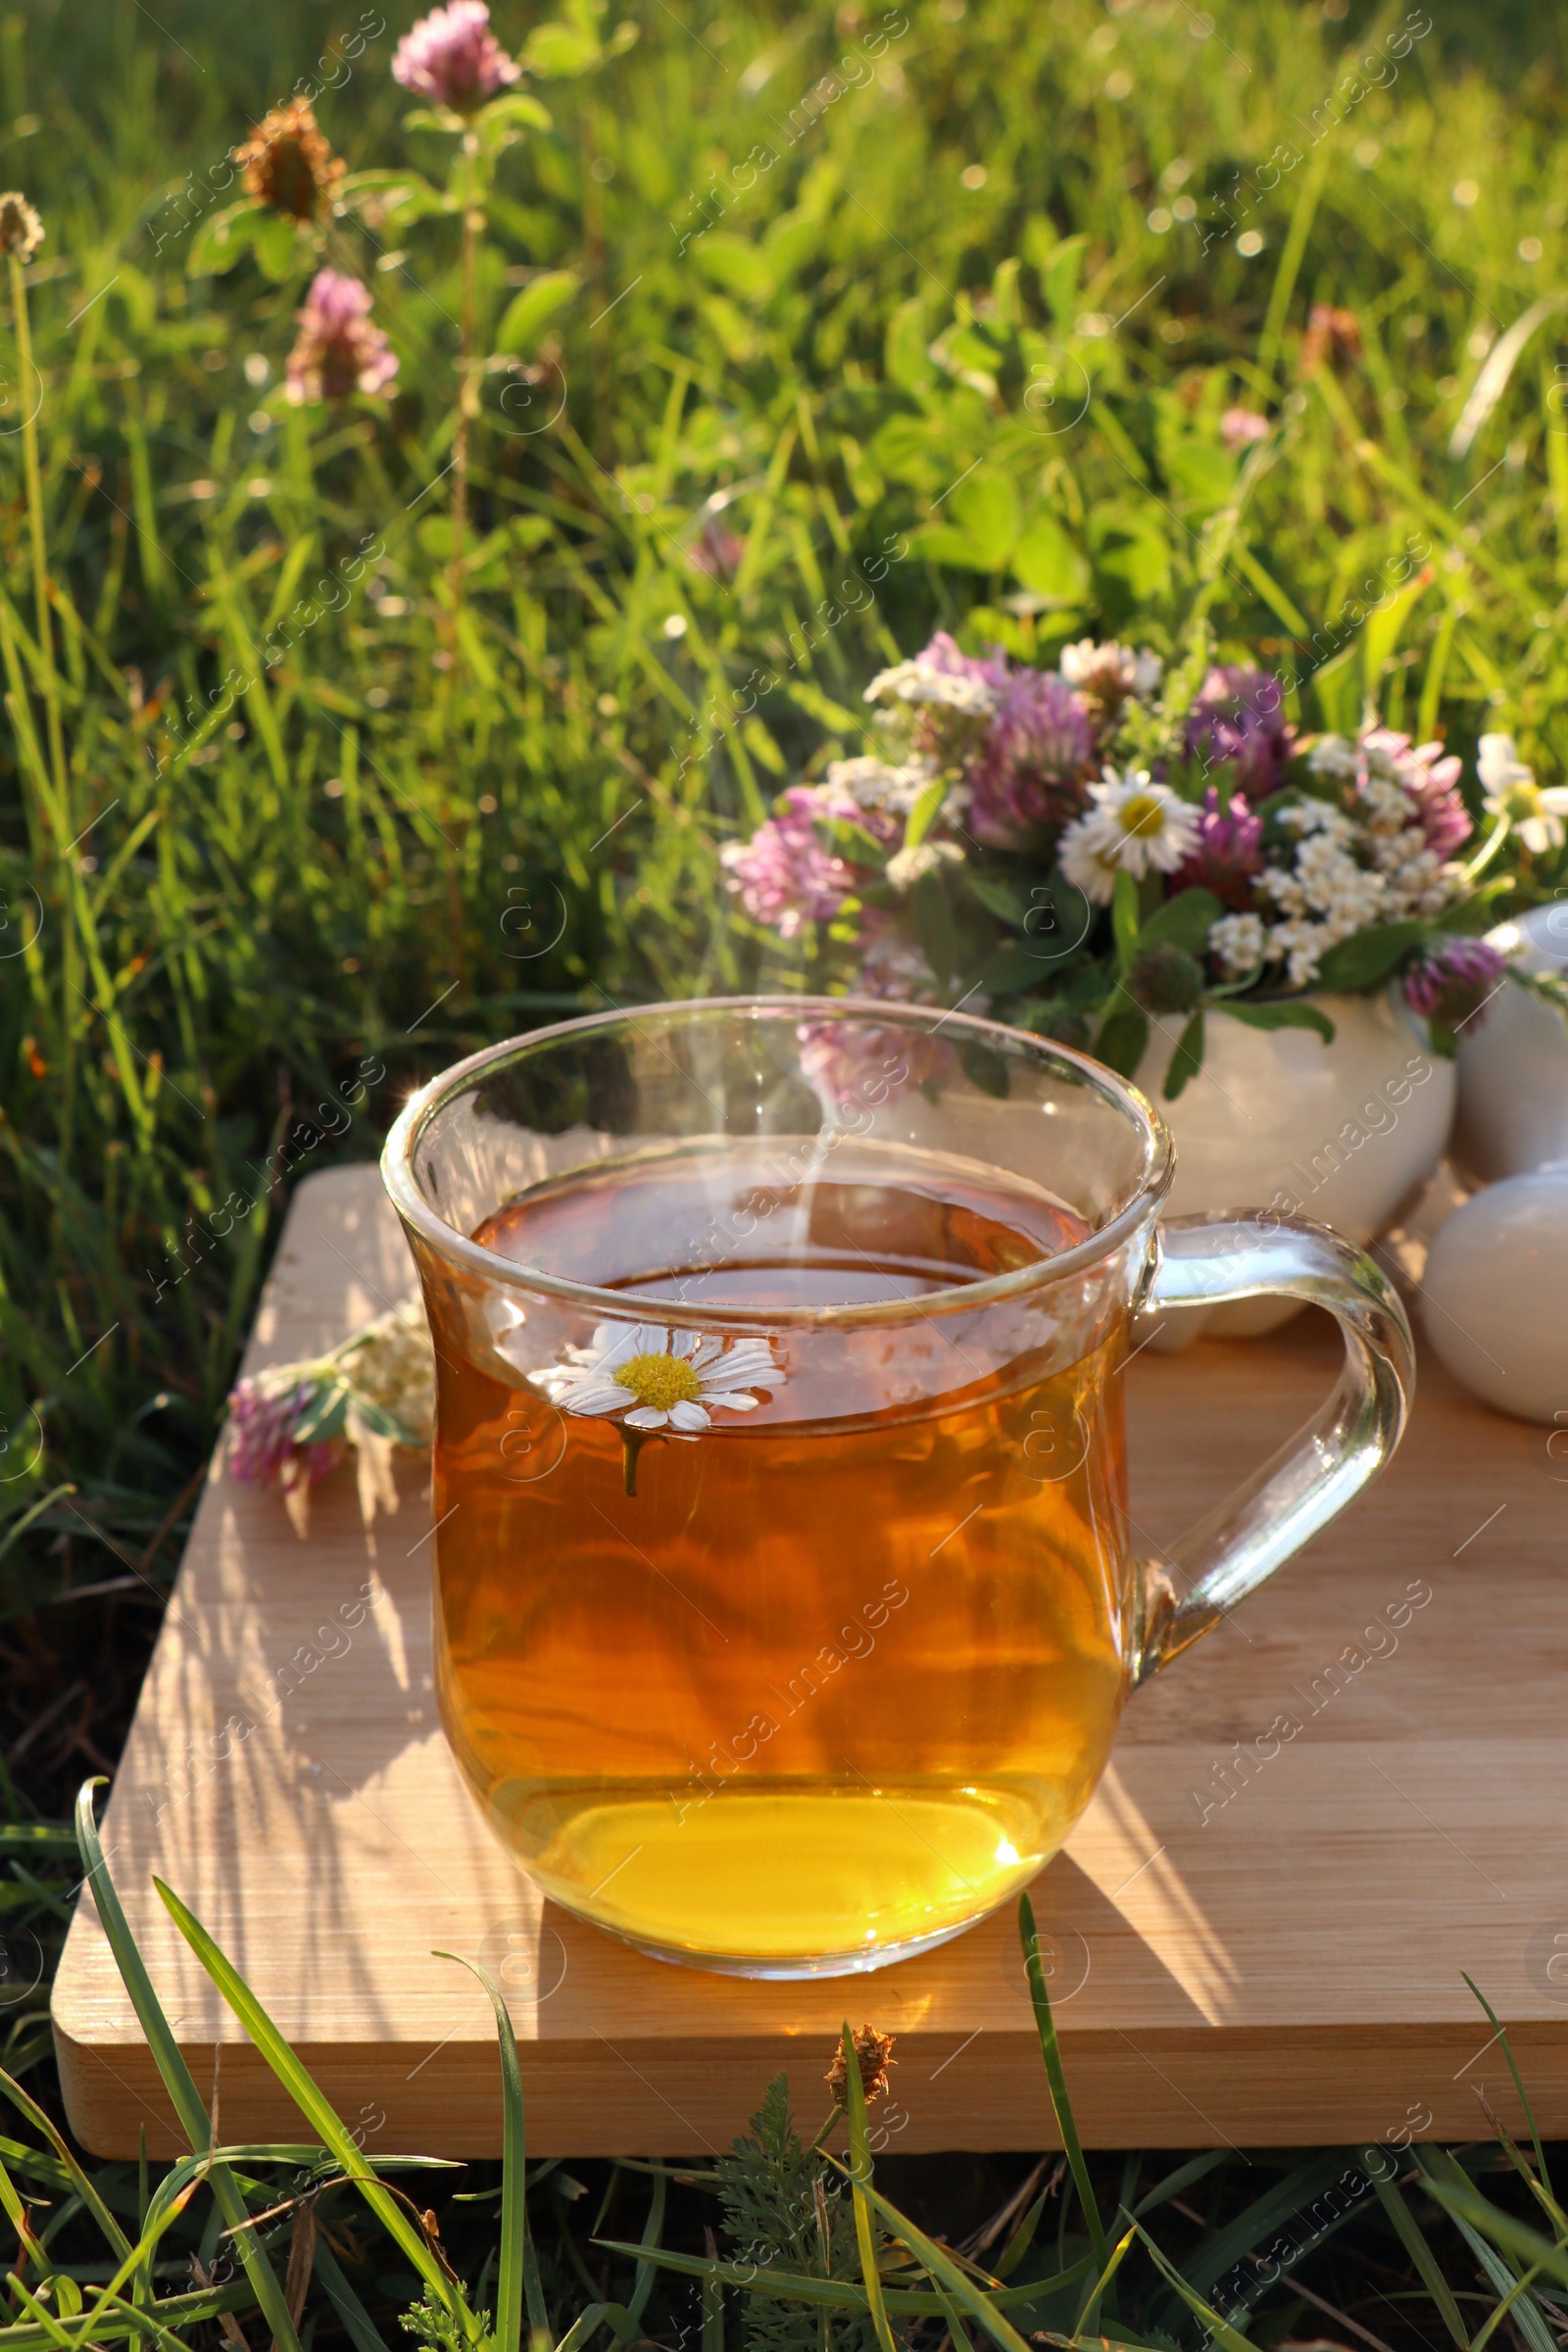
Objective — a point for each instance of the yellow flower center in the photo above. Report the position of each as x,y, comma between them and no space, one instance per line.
660,1381
1522,800
1141,812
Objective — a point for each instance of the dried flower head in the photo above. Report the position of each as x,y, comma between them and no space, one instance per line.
287,165
338,350
21,230
874,2051
1331,334
453,57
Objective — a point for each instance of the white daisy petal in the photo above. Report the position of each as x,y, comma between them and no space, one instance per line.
606,1398
739,1376
668,1361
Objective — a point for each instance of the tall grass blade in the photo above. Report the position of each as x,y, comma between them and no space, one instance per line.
1494,2319
85,2188
1502,2032
358,2323
513,2270
941,2270
1056,2076
1392,2198
643,2283
176,2074
1444,2171
313,2104
859,2181
1229,2337
838,2294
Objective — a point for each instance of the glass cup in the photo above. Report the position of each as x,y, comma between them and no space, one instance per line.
784,1605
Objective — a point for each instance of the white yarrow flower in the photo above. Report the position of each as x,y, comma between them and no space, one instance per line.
872,783
1238,940
1510,789
905,868
1332,756
653,1377
1110,670
918,682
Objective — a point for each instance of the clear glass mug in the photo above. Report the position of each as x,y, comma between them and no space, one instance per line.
784,1605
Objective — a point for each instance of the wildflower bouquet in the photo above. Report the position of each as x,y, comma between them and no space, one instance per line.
292,1425
1087,849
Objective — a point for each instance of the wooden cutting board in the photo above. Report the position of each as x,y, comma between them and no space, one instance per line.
1311,1824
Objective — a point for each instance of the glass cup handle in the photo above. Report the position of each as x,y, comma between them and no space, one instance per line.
1214,1261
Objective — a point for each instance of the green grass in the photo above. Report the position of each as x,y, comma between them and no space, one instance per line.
934,347
859,368
333,2243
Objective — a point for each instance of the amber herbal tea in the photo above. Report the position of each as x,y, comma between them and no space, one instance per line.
778,1646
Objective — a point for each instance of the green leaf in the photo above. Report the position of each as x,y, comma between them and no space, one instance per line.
1188,1059
985,1069
1130,546
1123,1038
1186,920
561,52
224,237
923,815
279,246
1338,691
398,198
176,2074
733,263
1124,921
1290,1016
1012,970
1382,631
324,1417
1201,472
380,1422
933,925
512,108
1009,896
1047,561
527,313
1365,960
1056,262
313,2103
985,510
907,362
